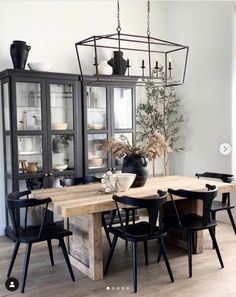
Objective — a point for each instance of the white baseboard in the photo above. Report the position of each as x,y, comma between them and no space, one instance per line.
2,230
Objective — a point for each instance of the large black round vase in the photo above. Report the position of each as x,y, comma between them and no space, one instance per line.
136,164
117,63
19,53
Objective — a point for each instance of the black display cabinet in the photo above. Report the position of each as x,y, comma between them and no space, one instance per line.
42,128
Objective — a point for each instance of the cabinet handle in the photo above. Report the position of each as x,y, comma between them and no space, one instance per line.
45,174
50,174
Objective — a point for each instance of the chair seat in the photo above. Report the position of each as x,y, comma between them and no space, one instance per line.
136,232
52,231
189,222
219,205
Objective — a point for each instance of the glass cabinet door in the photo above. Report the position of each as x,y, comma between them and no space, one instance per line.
122,108
30,159
61,106
96,108
62,152
28,106
96,157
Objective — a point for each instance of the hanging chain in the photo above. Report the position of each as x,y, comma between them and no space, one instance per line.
118,29
148,18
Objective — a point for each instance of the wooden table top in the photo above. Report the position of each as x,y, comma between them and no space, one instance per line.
86,199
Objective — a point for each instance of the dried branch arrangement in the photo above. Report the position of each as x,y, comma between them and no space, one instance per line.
154,147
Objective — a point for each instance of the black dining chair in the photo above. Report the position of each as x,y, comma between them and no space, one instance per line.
225,203
191,222
25,232
140,231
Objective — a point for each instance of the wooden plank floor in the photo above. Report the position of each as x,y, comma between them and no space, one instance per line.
208,279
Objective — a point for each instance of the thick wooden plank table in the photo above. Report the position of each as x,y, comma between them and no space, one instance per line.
83,204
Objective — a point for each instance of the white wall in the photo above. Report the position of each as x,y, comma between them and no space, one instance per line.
51,28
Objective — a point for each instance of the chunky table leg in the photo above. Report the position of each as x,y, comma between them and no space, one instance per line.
85,245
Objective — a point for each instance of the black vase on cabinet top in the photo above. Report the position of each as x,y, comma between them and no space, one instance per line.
118,63
19,51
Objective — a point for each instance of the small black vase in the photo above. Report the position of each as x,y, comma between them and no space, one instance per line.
136,164
118,64
19,53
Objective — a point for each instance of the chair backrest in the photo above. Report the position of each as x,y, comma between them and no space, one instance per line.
206,197
79,180
151,203
34,183
226,178
15,204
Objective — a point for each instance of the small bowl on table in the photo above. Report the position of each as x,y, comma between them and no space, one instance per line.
124,181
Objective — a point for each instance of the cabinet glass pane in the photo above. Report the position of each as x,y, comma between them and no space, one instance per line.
122,108
61,102
28,106
96,107
8,154
6,106
30,154
119,161
96,157
62,152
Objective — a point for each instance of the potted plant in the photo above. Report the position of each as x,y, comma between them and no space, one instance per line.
160,113
136,156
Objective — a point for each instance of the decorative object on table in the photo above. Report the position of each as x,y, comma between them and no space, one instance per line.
40,66
118,63
160,112
22,166
32,167
124,181
136,156
109,182
19,51
60,142
144,53
104,68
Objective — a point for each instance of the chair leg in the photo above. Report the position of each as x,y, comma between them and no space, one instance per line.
216,246
134,265
113,244
163,252
50,251
145,252
190,251
26,265
13,257
127,223
213,215
231,220
63,248
159,256
106,230
133,215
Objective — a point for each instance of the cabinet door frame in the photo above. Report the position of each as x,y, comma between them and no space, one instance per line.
14,131
86,132
77,124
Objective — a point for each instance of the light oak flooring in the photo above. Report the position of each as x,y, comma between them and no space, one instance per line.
208,278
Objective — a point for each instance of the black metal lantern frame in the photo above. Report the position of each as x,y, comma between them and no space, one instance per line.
147,57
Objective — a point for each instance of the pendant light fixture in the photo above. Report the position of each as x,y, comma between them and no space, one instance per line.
127,57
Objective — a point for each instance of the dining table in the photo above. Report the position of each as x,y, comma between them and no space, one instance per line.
81,207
